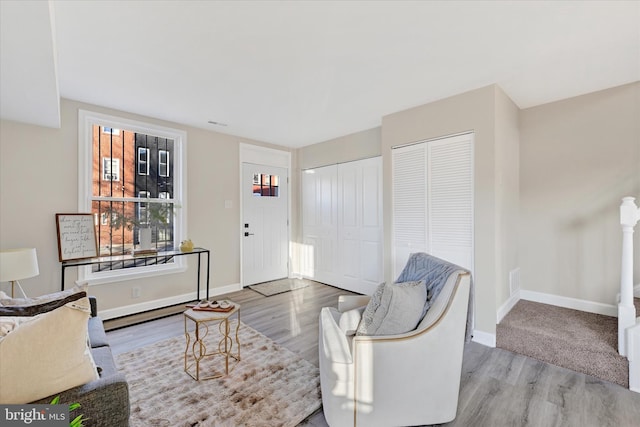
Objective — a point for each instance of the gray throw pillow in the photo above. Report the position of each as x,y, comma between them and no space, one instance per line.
399,310
369,311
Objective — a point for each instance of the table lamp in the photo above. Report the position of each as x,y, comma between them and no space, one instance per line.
18,264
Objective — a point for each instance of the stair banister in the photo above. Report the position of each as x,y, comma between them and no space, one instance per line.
629,216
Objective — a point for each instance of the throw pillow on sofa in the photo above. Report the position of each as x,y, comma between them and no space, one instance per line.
398,311
46,354
42,303
370,310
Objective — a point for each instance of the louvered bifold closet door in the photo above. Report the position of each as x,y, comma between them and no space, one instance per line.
409,203
450,199
433,200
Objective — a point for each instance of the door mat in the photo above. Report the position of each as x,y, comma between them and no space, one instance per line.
279,286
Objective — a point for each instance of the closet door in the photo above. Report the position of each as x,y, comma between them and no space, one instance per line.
450,199
409,203
433,200
360,225
319,252
342,225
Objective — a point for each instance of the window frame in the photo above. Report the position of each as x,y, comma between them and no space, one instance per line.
161,163
111,161
145,162
86,120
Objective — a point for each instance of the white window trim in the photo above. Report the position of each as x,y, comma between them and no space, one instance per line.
160,163
146,162
86,119
112,161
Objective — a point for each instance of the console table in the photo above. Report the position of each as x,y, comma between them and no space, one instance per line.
161,257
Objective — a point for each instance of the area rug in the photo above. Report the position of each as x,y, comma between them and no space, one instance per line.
270,386
279,286
577,340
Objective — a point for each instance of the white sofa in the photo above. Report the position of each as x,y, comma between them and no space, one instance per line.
395,380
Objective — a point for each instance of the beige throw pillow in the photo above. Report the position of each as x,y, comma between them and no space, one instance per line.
46,355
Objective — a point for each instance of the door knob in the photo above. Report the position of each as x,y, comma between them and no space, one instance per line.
247,234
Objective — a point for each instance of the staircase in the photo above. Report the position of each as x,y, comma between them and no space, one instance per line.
628,324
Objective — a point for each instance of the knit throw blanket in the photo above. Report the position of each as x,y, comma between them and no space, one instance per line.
434,271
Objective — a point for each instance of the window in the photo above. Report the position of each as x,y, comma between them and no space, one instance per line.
164,233
143,161
143,211
117,170
111,131
163,163
110,169
265,185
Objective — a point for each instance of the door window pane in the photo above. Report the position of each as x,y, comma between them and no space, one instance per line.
265,185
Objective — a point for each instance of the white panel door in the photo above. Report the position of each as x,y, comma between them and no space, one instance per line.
265,254
360,225
319,224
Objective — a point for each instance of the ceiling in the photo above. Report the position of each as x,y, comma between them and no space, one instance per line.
298,73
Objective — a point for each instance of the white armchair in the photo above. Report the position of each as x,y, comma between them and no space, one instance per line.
395,380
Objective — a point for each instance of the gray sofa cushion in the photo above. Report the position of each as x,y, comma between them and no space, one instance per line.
97,336
103,358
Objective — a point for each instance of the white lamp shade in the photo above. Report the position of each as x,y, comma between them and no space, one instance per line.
17,264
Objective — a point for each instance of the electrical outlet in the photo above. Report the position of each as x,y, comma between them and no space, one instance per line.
135,292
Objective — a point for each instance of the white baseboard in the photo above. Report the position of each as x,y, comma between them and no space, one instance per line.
484,338
507,306
165,302
573,303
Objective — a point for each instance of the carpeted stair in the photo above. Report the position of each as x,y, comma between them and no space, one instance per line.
576,340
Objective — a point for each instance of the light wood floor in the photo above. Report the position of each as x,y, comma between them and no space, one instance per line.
498,388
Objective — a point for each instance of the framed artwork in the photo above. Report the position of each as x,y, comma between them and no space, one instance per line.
77,237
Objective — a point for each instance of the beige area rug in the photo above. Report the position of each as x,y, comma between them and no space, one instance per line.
577,340
279,286
270,386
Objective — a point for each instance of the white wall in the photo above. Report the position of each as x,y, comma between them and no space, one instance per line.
356,146
578,158
471,111
493,118
507,140
38,178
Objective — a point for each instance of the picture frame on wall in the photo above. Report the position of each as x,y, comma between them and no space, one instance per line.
77,236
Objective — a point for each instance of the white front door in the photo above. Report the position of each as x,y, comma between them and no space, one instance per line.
265,229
